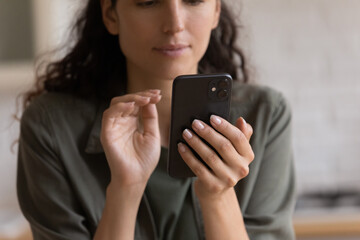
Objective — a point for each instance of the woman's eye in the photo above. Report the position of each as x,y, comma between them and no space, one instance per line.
194,2
146,3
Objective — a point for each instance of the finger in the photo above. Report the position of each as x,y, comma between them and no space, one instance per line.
111,116
236,163
140,97
244,127
151,101
149,116
140,100
118,110
234,134
198,168
156,91
133,110
221,144
122,109
208,155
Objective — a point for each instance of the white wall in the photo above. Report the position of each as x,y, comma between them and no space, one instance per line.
52,20
310,50
11,219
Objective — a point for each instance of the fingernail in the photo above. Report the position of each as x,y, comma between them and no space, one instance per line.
198,125
215,119
156,91
181,147
187,134
243,120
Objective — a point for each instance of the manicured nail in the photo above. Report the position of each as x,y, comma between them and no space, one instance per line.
187,134
244,122
181,147
198,125
215,119
145,98
156,91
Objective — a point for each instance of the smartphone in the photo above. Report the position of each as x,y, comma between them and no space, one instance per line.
195,97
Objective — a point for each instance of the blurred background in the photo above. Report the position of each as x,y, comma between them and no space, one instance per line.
307,49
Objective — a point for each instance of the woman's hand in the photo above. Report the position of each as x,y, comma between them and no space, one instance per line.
130,137
232,145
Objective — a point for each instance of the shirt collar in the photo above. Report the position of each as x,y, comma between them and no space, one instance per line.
94,145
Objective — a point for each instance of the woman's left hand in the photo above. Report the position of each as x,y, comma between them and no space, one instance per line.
232,144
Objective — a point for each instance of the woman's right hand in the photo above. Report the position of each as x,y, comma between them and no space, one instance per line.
130,137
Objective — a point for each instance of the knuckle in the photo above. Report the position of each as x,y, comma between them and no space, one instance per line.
211,159
251,155
119,106
114,100
215,187
106,114
194,140
244,171
226,146
199,170
231,181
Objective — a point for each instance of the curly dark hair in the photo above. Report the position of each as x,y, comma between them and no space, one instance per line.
88,69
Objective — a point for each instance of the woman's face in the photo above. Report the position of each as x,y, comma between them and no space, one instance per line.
164,38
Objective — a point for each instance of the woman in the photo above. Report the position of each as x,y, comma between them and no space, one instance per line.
94,134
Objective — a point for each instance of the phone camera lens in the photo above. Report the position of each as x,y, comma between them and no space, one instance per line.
222,93
223,83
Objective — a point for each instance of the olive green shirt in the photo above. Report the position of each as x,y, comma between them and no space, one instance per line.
63,173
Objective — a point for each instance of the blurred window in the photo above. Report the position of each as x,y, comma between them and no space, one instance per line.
16,30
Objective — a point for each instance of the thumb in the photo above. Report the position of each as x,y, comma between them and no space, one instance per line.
244,127
149,116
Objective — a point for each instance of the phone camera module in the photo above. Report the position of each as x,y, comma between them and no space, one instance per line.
223,93
223,83
218,89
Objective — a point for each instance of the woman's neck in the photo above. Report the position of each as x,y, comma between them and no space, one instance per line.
137,83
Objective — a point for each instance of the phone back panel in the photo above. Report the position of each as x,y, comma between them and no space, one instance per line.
194,97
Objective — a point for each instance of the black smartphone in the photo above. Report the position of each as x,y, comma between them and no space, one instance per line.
195,97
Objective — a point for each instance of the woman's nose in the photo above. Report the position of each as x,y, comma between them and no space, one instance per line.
173,18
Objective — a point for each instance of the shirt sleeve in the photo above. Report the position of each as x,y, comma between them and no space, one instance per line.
269,210
44,193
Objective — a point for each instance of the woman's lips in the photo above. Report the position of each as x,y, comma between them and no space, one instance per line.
173,50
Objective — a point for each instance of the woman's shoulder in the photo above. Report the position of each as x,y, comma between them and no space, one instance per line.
58,102
253,94
255,102
56,106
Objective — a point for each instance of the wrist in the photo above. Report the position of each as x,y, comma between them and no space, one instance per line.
119,215
219,199
131,192
222,216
